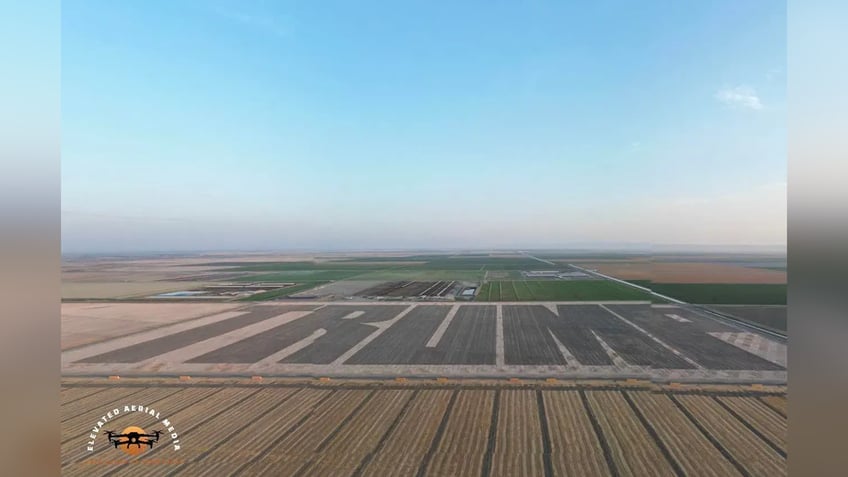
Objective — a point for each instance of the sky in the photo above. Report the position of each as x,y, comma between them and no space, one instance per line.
225,125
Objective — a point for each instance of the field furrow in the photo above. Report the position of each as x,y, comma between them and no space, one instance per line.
170,401
778,403
99,404
575,449
405,448
463,444
184,421
240,448
758,415
69,395
518,444
754,455
632,447
295,450
360,435
695,454
211,435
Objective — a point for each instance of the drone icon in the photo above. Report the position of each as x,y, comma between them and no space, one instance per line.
133,438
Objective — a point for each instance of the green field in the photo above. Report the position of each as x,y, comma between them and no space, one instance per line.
558,290
288,266
272,294
724,293
422,275
301,276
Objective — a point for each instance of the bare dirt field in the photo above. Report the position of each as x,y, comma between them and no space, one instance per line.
686,272
104,290
84,323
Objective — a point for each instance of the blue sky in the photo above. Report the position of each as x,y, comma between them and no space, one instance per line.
225,125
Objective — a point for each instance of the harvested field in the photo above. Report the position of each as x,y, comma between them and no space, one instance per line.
575,446
778,403
519,449
403,450
684,442
463,436
683,272
633,450
390,429
760,418
742,445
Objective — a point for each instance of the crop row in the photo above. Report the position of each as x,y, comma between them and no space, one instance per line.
418,431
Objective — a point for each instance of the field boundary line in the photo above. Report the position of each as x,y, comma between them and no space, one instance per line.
493,435
599,433
385,438
288,432
727,455
326,441
220,443
546,434
443,326
192,428
437,438
653,433
659,341
750,427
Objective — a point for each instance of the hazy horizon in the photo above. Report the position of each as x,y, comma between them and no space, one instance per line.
193,125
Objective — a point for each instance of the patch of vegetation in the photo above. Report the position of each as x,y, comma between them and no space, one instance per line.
484,292
279,293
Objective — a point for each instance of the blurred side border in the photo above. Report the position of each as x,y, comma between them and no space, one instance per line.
818,236
30,147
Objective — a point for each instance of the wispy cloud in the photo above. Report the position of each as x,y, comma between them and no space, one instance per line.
739,97
264,22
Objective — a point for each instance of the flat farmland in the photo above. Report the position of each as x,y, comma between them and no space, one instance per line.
687,272
773,317
122,290
84,323
347,428
612,340
301,276
724,293
417,274
558,290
